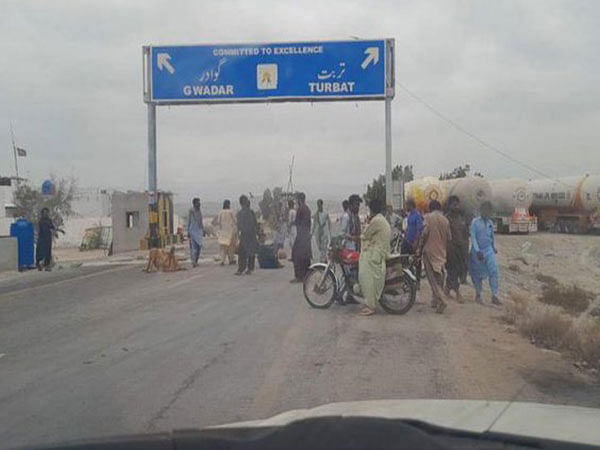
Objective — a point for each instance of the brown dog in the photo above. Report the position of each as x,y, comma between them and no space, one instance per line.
160,259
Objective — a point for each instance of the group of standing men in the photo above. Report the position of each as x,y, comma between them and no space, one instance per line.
239,234
442,240
302,227
236,233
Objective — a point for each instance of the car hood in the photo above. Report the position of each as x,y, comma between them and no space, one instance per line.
558,422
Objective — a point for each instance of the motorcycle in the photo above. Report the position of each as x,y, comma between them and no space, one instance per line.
396,242
338,280
397,235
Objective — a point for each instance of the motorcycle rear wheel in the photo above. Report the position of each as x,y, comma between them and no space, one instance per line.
320,297
398,299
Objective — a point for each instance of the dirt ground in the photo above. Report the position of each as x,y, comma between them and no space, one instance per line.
571,259
492,359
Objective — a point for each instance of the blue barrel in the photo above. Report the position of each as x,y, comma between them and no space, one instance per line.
23,231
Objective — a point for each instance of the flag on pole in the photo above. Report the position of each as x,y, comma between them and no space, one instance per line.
21,151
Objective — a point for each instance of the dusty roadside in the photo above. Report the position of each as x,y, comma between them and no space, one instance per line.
492,359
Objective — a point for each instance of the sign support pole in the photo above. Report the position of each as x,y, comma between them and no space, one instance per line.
152,150
152,184
388,152
389,94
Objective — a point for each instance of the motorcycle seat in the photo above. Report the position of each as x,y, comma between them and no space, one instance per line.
394,257
397,258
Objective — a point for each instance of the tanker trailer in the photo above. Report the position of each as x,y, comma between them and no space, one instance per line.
511,200
471,191
423,190
567,205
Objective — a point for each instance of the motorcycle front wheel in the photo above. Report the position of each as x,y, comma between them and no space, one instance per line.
400,297
319,291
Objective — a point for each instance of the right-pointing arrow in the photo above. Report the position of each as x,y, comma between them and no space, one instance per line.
373,55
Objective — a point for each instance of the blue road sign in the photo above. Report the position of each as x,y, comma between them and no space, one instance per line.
328,70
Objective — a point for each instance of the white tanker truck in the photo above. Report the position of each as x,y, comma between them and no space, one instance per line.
510,199
567,205
472,191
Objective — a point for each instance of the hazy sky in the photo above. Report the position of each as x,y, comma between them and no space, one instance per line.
523,75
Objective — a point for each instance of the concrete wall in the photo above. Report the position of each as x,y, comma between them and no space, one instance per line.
92,202
6,198
5,223
75,227
126,238
9,257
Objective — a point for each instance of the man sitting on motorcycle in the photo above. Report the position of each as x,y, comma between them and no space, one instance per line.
375,248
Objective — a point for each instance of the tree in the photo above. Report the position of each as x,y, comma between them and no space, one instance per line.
29,201
377,188
459,172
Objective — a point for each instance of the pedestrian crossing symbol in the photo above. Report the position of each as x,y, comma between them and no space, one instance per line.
266,76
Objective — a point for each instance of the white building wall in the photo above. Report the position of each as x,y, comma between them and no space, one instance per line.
75,227
92,202
128,238
6,198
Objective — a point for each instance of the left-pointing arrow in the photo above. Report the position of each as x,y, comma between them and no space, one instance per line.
162,61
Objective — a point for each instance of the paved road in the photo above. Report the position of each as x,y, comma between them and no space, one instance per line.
114,350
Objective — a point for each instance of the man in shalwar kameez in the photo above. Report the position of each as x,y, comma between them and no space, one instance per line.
375,248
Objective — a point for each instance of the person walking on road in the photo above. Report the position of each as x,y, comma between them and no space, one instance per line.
195,230
321,230
456,263
482,258
248,233
375,250
434,243
46,231
226,233
291,226
301,251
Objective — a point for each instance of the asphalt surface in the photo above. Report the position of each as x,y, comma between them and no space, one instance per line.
113,350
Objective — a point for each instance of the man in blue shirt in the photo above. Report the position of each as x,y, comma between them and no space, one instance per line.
414,228
482,258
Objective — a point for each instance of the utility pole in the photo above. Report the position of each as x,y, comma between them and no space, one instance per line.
389,188
389,94
152,183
